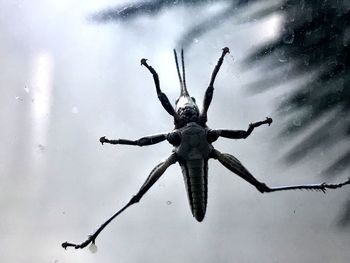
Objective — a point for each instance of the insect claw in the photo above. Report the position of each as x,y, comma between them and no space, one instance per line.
92,239
64,245
143,62
226,50
103,140
268,120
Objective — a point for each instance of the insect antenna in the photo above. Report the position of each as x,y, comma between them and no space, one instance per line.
184,92
178,69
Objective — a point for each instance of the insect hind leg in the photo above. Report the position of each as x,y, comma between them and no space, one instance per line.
235,166
155,174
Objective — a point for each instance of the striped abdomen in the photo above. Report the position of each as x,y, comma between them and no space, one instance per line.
195,174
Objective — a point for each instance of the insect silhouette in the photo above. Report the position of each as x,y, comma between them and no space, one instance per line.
192,141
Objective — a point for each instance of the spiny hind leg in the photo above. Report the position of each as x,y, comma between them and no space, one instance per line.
155,174
235,166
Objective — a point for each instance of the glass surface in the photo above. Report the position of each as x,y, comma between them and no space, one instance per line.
70,75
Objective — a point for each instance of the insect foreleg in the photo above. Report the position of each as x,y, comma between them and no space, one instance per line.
161,96
210,90
225,50
144,141
152,178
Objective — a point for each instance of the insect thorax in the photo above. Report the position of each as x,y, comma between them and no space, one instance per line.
194,144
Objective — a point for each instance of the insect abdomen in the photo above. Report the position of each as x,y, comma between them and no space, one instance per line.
196,180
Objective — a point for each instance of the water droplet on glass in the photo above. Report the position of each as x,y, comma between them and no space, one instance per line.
18,98
281,56
296,122
282,60
195,40
289,38
75,110
41,147
93,248
168,203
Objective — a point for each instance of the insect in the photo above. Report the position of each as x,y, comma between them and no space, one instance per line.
192,141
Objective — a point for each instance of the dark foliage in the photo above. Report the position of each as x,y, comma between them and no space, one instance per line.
151,8
315,41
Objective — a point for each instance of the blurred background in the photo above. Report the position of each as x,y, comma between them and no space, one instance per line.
70,73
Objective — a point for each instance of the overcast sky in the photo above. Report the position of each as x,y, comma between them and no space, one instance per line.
65,82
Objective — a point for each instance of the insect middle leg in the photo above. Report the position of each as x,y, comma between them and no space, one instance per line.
213,135
144,141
